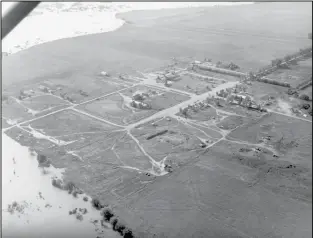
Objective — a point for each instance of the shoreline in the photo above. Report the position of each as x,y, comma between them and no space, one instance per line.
41,199
91,18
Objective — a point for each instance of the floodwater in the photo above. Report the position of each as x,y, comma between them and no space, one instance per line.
71,19
42,210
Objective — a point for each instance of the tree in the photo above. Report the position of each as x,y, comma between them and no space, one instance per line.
218,103
305,97
96,203
120,227
128,233
107,214
185,112
287,57
70,186
306,106
251,76
57,183
113,222
43,161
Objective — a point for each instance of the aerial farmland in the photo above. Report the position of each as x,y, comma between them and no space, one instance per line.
204,147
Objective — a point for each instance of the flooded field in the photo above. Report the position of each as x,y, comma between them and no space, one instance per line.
41,210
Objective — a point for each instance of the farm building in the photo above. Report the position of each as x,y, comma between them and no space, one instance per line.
140,105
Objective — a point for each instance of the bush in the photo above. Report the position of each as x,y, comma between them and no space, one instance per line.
120,227
85,199
96,203
138,97
43,161
128,233
305,97
84,210
113,222
70,187
57,183
306,106
291,91
107,214
79,217
74,194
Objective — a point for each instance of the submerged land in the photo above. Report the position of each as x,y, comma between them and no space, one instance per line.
185,123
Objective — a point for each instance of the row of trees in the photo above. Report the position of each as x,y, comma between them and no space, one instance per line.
284,62
305,84
108,216
274,82
116,223
230,66
107,213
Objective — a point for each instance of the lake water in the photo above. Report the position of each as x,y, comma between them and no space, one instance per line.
53,21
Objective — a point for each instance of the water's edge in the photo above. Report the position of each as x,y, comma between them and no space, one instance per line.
89,20
32,207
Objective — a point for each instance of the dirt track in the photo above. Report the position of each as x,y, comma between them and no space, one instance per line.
193,201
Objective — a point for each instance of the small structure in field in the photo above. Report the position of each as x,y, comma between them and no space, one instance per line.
140,105
168,83
106,74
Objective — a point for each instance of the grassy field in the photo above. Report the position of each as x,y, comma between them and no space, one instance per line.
215,75
250,36
116,108
180,143
295,75
206,200
291,138
193,84
240,184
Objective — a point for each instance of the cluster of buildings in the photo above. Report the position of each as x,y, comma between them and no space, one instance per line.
195,107
168,77
234,98
26,94
138,100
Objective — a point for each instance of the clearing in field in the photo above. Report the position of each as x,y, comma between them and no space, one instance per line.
17,109
133,104
220,186
289,138
276,98
76,89
66,132
214,75
177,140
193,83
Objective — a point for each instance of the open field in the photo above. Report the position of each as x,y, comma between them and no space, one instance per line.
308,91
15,110
216,185
295,75
212,170
176,140
117,107
194,84
246,35
289,137
279,98
214,74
